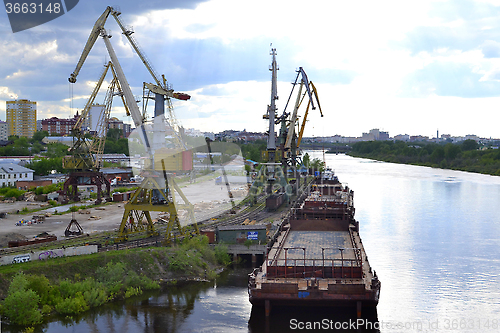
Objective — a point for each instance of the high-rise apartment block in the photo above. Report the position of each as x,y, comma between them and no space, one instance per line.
4,131
21,117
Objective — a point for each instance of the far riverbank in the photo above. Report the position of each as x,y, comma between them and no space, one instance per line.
465,156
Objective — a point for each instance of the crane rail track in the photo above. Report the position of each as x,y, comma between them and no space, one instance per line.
255,212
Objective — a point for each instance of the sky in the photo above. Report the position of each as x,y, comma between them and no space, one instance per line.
406,67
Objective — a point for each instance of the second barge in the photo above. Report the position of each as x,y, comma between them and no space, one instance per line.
318,258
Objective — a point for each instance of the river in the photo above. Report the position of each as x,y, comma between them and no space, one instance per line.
432,236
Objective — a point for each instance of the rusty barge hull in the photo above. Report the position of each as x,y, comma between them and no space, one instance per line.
318,258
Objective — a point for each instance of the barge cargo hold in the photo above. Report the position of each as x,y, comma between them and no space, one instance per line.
318,258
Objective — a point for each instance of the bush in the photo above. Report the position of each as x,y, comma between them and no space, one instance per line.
221,255
95,297
41,286
21,307
131,291
111,274
19,283
14,193
72,305
248,243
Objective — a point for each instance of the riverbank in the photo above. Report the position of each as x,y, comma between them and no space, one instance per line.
34,290
463,157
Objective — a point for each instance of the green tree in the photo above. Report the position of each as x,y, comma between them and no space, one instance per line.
437,155
469,145
318,165
306,160
57,149
38,136
114,133
44,166
451,151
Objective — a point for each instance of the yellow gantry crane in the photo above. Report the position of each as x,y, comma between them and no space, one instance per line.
156,192
302,127
85,160
290,142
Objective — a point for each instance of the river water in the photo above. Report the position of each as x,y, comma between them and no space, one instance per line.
433,237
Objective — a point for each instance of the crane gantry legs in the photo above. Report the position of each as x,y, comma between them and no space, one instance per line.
155,194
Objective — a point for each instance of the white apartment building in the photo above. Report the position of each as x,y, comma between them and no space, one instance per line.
4,131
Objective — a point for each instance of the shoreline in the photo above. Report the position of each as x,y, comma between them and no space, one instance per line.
73,285
391,159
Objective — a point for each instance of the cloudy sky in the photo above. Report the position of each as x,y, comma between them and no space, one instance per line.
407,67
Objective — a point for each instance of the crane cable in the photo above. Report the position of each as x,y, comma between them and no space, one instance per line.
73,217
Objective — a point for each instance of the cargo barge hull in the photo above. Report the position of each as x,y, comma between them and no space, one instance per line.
318,258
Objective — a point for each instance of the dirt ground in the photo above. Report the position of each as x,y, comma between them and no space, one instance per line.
209,200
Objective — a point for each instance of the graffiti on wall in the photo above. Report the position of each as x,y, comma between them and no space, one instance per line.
21,258
51,254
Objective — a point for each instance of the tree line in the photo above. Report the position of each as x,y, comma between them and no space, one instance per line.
51,154
465,156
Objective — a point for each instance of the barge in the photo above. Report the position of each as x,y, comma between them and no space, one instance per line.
317,257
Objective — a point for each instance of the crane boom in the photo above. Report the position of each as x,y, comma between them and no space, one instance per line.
128,33
127,92
160,88
94,34
293,119
87,154
301,132
304,81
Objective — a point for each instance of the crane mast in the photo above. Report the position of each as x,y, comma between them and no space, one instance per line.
271,109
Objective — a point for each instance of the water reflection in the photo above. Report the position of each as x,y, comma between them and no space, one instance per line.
316,319
164,311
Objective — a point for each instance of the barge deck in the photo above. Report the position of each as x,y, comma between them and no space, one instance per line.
318,258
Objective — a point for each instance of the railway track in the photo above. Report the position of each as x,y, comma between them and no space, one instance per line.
255,212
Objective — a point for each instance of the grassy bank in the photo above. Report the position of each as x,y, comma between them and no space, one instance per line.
71,285
464,156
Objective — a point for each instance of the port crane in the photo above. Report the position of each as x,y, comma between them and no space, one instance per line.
290,142
85,160
271,176
284,154
156,192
